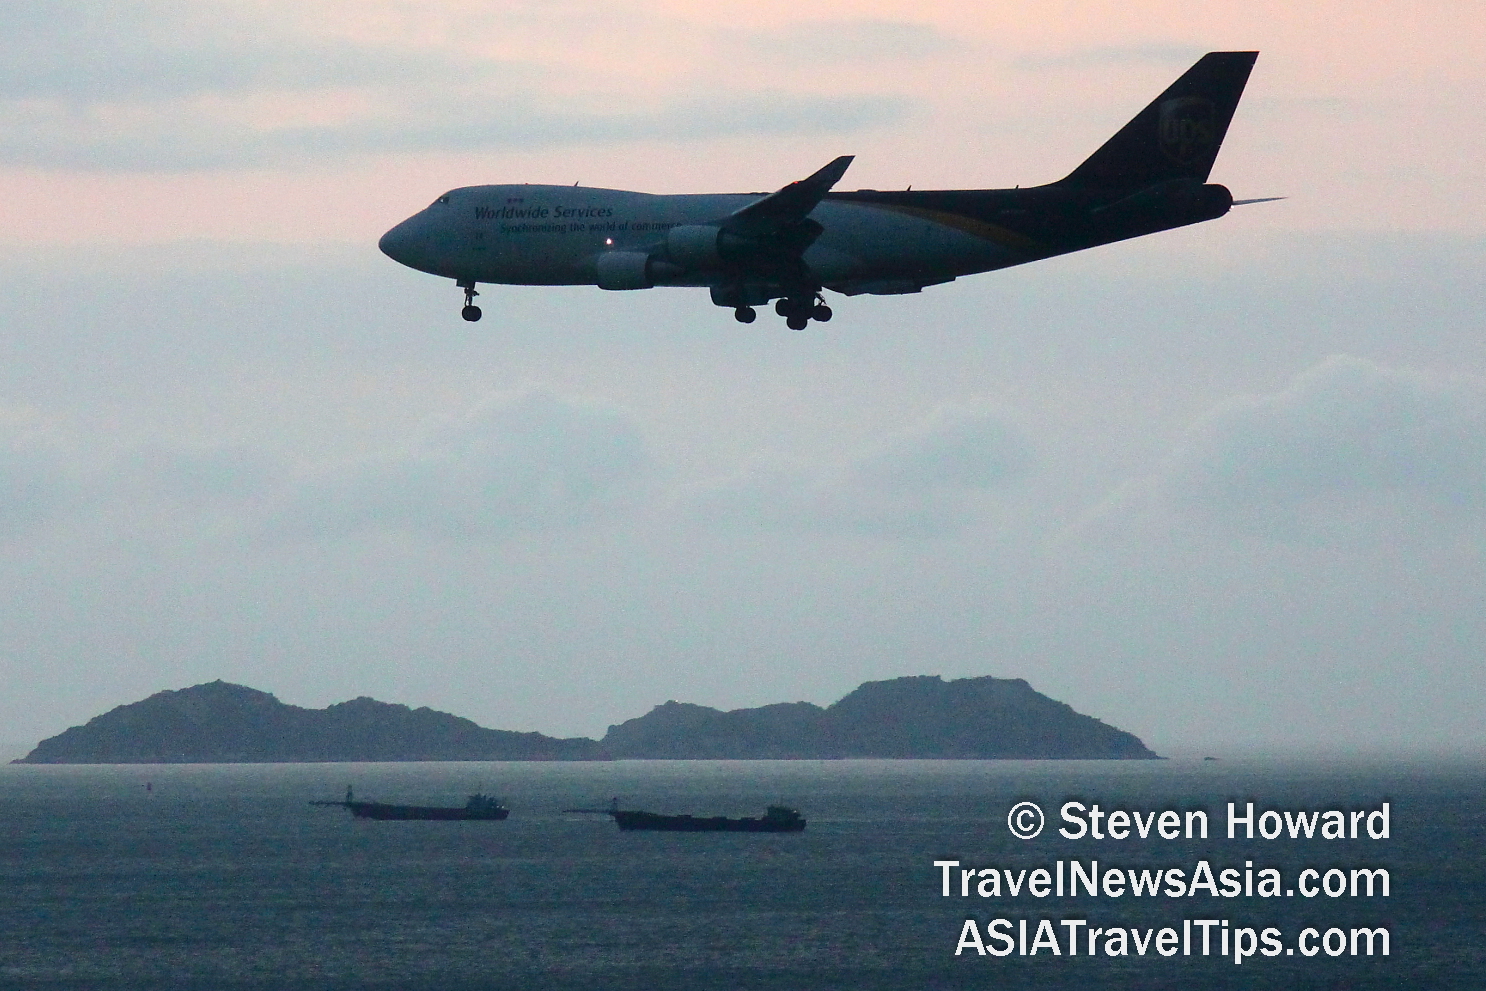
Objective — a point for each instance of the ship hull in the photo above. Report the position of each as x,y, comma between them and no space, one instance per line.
708,824
378,810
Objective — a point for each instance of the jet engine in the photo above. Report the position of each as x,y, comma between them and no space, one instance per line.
631,270
702,247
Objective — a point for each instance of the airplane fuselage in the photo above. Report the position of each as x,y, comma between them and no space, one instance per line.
871,241
790,245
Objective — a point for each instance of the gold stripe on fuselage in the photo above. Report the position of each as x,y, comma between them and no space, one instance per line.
994,233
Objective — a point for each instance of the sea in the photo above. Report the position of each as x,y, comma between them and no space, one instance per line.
226,877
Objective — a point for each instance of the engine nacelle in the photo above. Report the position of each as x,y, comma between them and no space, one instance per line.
624,270
705,247
695,246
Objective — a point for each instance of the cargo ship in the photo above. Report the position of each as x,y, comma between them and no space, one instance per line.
777,819
478,807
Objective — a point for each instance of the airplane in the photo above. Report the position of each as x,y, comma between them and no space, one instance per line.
789,246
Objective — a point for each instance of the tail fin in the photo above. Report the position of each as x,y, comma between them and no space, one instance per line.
1178,135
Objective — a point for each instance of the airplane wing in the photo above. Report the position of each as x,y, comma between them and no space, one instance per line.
1262,199
783,213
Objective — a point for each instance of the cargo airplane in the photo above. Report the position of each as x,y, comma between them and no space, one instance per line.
789,246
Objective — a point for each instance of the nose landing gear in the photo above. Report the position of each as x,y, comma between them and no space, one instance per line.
745,314
471,312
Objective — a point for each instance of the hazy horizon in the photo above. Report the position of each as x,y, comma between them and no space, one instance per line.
12,750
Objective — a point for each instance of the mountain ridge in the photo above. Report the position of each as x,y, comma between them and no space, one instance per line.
919,716
914,717
223,723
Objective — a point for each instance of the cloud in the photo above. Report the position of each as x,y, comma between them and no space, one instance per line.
951,450
35,483
48,478
452,122
150,85
836,42
531,461
523,462
1109,55
85,54
1348,448
927,481
190,475
190,136
514,463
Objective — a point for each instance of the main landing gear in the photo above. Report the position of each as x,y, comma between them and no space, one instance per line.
800,303
797,311
471,312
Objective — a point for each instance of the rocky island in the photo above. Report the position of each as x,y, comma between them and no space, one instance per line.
221,723
913,717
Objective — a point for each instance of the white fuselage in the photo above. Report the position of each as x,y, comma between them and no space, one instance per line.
790,245
555,235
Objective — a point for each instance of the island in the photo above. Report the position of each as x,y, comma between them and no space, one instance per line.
222,723
922,717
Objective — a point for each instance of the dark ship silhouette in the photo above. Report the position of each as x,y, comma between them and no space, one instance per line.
777,819
481,807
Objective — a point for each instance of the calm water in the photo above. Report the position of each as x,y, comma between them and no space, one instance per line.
222,877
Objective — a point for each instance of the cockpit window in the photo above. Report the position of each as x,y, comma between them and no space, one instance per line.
443,199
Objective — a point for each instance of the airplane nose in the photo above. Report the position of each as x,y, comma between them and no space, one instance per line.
399,243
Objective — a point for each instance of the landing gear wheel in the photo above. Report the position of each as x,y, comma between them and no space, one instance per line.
745,314
471,312
799,308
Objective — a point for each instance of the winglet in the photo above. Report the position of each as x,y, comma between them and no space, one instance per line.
790,204
828,176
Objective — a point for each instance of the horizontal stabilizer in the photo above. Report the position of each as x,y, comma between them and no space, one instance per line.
1262,199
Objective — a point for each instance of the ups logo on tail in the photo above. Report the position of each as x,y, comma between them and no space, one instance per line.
1187,129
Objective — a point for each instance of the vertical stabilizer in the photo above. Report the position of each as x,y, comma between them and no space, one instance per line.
1178,135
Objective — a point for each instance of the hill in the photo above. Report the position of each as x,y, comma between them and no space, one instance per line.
915,717
220,723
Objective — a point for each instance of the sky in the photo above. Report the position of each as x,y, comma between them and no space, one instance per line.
1223,487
